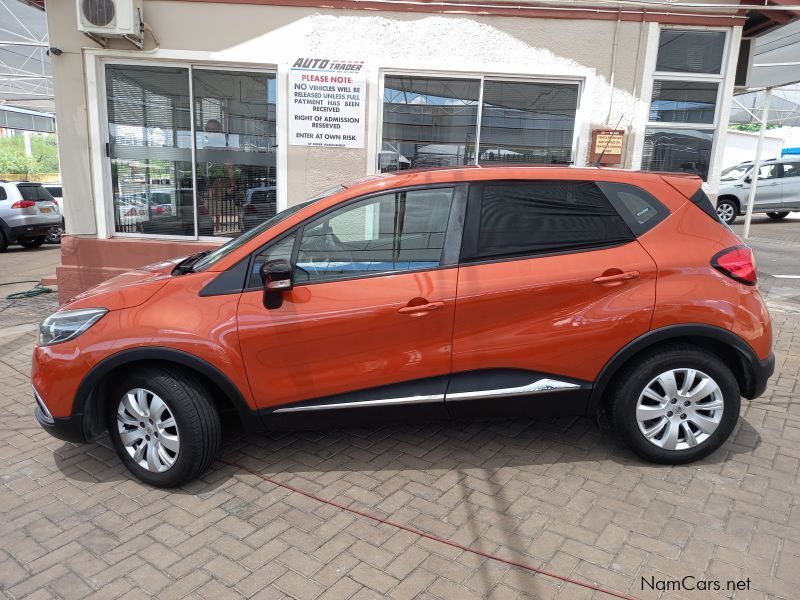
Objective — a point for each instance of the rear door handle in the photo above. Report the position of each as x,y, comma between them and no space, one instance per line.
420,309
616,278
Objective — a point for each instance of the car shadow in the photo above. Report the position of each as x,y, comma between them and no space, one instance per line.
441,445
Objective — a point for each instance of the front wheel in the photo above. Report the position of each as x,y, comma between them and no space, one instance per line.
727,211
164,426
778,215
676,405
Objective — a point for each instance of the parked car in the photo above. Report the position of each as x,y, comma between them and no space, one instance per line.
27,214
258,205
777,191
430,294
57,192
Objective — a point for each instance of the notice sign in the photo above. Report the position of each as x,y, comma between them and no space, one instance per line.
327,100
608,143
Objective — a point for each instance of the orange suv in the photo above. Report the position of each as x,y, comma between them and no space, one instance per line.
468,292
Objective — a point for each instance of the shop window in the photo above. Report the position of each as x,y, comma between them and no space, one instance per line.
690,51
544,217
428,122
683,101
678,150
155,188
433,122
686,82
401,231
527,122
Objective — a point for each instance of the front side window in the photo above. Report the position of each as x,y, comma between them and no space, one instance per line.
398,231
769,171
544,217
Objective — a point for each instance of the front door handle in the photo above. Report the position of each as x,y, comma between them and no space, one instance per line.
616,278
420,309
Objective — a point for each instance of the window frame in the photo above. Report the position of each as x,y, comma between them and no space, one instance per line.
469,245
450,249
107,228
482,77
720,79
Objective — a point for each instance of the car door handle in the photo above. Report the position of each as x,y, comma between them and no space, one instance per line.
420,309
616,278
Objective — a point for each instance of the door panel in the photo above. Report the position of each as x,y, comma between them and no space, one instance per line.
341,336
769,192
547,315
790,183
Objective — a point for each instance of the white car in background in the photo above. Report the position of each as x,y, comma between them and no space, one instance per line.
777,191
57,192
27,214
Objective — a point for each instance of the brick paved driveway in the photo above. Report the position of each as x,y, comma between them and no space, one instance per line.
560,495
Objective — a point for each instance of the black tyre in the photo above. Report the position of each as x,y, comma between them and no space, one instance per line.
3,242
32,242
54,235
727,210
164,426
675,405
778,215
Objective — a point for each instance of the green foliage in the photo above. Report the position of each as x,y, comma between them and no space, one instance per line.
43,159
750,127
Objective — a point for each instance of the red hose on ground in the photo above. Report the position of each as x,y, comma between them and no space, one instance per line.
421,533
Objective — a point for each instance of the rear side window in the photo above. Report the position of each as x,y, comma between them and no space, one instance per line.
640,209
540,217
704,204
791,169
3,195
28,192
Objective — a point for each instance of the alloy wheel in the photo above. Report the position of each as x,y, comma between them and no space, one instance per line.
679,409
725,211
148,430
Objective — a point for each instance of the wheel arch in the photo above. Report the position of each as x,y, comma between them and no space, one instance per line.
729,347
731,198
226,396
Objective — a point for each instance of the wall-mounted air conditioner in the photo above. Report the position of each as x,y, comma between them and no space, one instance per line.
111,18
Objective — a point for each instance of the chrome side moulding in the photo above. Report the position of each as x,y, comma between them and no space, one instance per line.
382,402
537,387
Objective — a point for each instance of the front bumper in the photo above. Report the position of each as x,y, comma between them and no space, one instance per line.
69,429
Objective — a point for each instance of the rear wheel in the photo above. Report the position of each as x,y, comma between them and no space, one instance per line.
676,405
32,242
164,426
778,215
727,211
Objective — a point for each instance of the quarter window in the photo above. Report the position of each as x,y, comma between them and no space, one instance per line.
542,217
640,210
400,231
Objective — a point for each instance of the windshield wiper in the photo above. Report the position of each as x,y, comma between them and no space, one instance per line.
187,264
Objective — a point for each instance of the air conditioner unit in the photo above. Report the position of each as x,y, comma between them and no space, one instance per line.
111,18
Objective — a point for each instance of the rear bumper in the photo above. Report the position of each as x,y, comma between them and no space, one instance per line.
21,232
760,372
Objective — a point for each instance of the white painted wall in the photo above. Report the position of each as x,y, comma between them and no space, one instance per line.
741,146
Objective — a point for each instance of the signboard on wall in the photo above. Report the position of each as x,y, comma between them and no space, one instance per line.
327,103
607,142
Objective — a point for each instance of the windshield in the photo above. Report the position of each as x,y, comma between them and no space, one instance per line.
212,257
735,172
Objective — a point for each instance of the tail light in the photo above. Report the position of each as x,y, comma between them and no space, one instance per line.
737,263
23,204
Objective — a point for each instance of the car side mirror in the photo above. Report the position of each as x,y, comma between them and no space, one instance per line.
748,179
277,277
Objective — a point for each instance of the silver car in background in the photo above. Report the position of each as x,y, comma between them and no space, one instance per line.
777,191
27,214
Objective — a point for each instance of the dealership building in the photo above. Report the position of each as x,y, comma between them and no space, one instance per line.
233,110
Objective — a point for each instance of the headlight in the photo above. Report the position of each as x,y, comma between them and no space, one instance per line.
67,324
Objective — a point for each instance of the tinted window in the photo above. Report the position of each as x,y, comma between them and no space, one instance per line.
690,51
640,210
55,191
546,216
400,231
33,192
3,195
791,169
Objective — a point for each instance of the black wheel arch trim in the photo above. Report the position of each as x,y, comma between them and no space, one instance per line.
84,396
755,370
